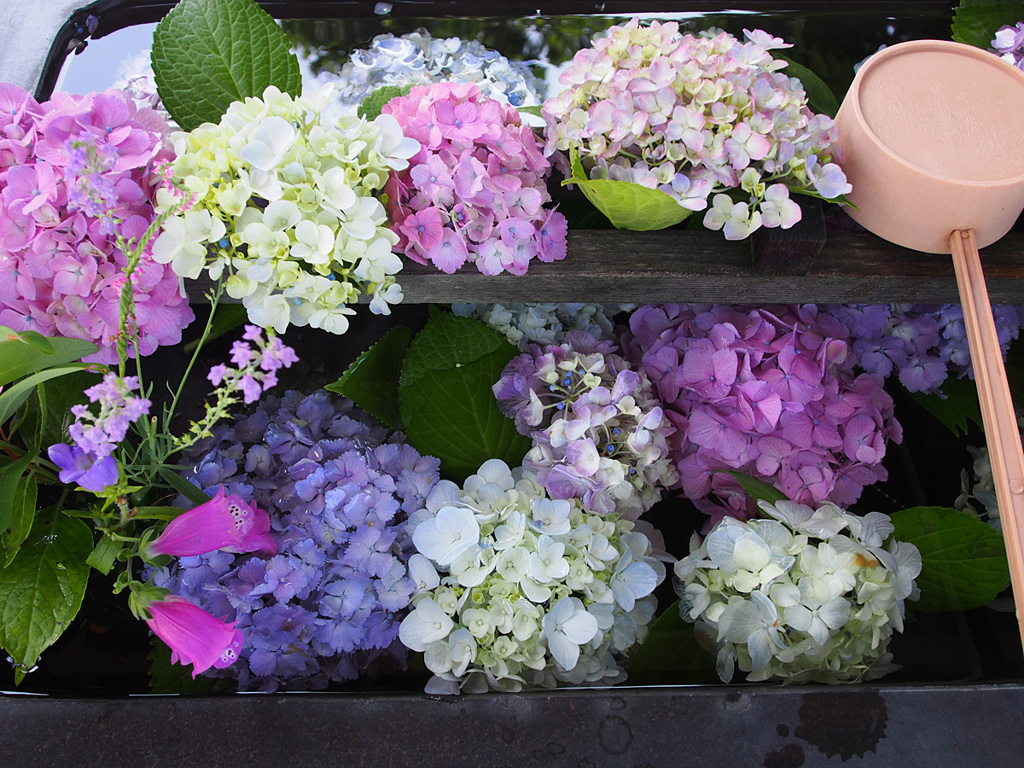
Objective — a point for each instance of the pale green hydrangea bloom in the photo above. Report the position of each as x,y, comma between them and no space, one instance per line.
514,589
284,207
809,595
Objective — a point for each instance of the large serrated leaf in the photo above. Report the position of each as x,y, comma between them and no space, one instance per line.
627,205
671,654
977,21
21,354
446,400
209,53
42,589
371,382
963,560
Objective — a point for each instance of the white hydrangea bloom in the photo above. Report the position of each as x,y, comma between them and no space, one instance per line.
536,591
810,595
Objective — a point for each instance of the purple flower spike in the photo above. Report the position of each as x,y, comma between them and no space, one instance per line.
194,636
224,522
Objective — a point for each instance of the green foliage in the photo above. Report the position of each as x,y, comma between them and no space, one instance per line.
819,96
167,678
209,53
373,105
963,560
958,406
446,399
756,489
42,589
977,21
627,205
371,382
671,653
25,353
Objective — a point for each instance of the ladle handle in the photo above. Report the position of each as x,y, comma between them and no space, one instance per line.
1001,431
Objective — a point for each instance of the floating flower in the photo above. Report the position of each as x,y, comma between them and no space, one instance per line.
808,596
599,434
705,118
286,209
193,635
78,176
517,589
475,190
327,605
767,392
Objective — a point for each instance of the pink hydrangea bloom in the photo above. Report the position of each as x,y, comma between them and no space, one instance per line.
475,192
707,119
194,636
767,392
74,172
224,522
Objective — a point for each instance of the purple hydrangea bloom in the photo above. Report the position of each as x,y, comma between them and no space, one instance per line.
768,392
338,491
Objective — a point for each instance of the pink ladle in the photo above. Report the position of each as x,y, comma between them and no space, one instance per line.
933,146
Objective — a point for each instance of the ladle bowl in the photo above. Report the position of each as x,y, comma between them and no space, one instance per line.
932,144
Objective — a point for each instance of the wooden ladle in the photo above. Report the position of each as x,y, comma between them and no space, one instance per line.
933,146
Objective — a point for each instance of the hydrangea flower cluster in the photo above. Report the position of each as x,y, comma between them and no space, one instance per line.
526,324
697,117
285,207
1009,44
417,58
978,489
767,392
77,173
326,606
809,596
96,436
921,343
475,191
599,434
515,589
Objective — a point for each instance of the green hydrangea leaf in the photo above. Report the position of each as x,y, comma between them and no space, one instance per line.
371,382
373,105
627,205
672,653
957,405
963,560
23,513
23,353
11,474
756,489
209,53
819,96
977,21
445,395
42,589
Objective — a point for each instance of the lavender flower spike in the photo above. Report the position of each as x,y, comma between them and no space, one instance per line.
224,522
194,636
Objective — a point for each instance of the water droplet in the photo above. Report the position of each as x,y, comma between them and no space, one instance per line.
50,538
60,567
382,9
26,669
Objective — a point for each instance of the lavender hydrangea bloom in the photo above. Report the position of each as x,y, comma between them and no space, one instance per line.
921,344
338,491
599,434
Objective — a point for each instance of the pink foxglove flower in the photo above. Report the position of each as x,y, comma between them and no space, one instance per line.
194,636
224,522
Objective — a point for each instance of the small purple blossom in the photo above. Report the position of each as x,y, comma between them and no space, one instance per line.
255,365
1009,44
